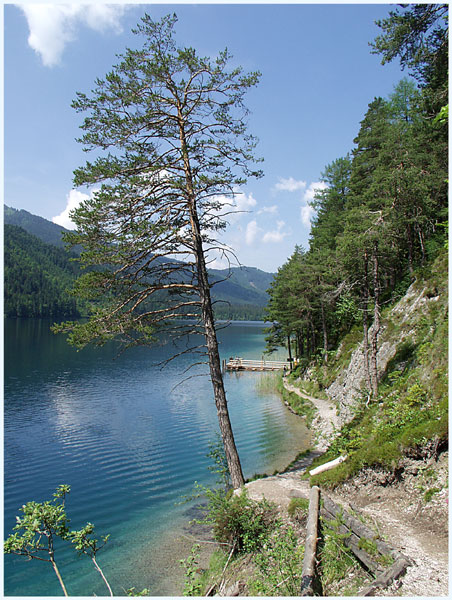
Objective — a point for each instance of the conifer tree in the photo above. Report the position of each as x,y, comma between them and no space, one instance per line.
418,35
330,204
169,132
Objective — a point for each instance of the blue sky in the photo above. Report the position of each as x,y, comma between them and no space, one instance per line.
318,77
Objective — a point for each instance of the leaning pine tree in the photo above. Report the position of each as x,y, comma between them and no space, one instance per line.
168,128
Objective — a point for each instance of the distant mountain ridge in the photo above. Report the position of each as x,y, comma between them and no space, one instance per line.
45,230
241,292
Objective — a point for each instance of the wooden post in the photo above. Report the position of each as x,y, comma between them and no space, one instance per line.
308,569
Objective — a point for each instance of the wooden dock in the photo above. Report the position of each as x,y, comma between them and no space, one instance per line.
243,364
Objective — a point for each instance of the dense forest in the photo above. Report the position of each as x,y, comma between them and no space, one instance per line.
36,277
384,211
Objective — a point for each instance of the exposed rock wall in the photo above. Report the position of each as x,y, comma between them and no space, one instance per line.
349,386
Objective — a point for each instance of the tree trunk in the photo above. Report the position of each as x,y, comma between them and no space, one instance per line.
102,575
365,323
410,248
314,340
60,579
421,241
289,349
300,344
325,334
232,457
230,449
309,559
376,323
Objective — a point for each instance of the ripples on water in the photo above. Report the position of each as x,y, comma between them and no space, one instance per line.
128,442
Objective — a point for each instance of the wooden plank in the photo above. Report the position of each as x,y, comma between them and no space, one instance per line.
231,367
352,541
308,569
237,364
357,531
395,571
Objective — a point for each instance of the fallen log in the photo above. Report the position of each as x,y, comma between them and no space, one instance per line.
327,466
357,537
308,568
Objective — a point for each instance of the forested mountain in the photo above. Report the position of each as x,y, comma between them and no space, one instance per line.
241,285
383,213
45,230
38,269
36,277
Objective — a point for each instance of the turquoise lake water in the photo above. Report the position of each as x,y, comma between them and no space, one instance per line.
129,441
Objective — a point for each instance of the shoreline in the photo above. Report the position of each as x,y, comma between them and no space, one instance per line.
179,545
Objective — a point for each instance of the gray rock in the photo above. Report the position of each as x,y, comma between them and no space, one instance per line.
349,386
294,493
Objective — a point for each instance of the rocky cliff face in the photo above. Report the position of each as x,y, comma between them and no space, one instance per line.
398,328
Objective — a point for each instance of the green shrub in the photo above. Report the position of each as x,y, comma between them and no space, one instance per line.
237,520
192,584
298,506
279,563
428,494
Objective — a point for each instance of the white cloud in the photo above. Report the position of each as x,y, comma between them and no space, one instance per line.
276,235
269,209
242,202
306,210
217,263
312,189
233,207
74,198
252,230
289,185
53,26
306,214
101,17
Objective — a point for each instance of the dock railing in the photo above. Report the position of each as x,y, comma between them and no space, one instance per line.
244,364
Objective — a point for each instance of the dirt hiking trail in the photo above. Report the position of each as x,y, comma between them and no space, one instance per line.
395,508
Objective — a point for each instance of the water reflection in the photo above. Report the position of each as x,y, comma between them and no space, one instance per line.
127,439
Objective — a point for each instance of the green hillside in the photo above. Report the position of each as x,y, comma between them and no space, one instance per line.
410,410
45,230
36,277
240,293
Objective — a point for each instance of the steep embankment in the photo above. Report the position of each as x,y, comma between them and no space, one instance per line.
418,318
411,407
